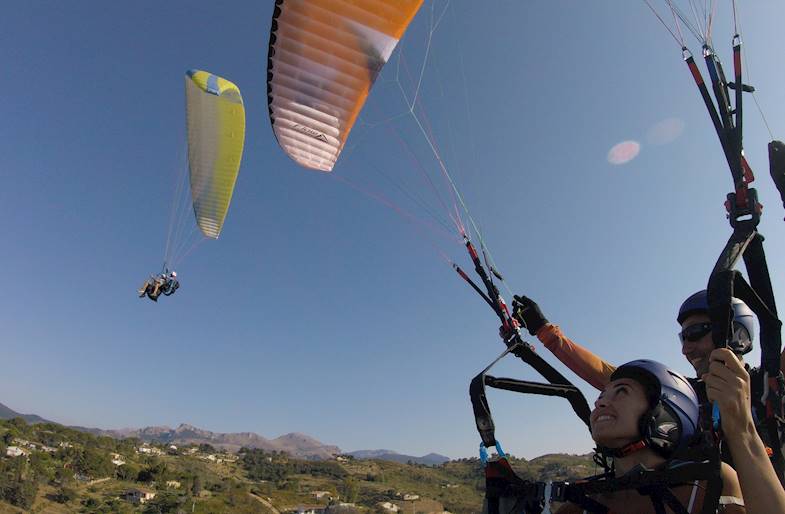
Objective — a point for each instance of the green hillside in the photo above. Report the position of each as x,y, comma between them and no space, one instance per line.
59,470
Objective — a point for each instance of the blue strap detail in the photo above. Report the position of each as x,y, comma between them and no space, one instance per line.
713,72
212,85
500,451
715,416
484,452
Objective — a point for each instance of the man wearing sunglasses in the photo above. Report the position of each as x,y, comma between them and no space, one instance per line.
695,335
697,346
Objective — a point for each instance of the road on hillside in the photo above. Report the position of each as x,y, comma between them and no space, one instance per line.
265,503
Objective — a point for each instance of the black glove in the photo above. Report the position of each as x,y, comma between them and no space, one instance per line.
528,313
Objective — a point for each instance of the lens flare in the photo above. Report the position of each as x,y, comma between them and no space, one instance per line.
624,152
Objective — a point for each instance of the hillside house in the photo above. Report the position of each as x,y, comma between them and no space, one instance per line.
138,496
389,507
411,497
173,484
149,450
15,451
117,459
322,494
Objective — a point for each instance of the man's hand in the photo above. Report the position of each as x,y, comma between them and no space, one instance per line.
728,384
526,311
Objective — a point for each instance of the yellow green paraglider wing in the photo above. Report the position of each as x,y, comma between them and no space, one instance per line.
216,133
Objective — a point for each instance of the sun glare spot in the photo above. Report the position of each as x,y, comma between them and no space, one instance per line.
624,152
665,131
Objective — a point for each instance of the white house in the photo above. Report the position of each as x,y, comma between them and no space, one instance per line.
411,497
173,484
138,496
391,507
149,450
15,451
321,494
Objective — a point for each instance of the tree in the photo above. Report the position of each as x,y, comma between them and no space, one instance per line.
196,489
21,493
145,476
349,490
206,448
43,466
164,503
65,495
127,472
94,463
18,422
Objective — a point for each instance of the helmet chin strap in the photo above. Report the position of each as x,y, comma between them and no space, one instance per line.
624,451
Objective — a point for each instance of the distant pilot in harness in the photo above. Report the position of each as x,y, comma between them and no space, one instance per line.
166,283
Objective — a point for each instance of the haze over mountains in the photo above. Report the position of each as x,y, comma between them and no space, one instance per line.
296,444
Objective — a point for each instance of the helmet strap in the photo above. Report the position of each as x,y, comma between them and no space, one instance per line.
624,451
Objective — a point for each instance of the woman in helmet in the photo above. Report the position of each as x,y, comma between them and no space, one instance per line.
645,418
696,346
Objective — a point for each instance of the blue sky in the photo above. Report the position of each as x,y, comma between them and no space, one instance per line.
321,310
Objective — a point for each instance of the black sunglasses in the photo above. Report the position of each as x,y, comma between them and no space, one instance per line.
694,332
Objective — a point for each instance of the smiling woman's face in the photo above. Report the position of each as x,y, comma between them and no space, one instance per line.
614,420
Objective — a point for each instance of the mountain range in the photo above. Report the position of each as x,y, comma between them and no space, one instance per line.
298,445
432,459
6,413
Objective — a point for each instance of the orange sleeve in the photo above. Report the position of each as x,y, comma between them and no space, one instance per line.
581,361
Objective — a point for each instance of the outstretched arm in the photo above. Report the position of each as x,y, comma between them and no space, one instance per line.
581,361
591,368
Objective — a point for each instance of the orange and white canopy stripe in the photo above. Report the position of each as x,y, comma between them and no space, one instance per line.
324,57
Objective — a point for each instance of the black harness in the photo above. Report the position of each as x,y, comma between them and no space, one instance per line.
506,493
745,243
